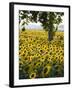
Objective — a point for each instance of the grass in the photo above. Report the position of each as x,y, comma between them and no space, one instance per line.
39,58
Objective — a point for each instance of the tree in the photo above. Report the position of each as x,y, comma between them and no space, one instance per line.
24,18
48,20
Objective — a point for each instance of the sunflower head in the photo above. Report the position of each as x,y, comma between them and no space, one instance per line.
47,69
32,75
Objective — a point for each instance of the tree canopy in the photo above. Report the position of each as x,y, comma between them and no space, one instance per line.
47,19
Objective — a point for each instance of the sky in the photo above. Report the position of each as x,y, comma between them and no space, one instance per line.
34,26
38,26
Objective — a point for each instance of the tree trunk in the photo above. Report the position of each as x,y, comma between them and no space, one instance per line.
50,26
50,35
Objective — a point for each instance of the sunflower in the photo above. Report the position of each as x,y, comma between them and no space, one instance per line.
61,48
21,53
48,49
54,56
57,57
50,52
47,69
61,58
50,46
61,51
38,64
44,47
30,58
36,55
42,58
21,63
50,58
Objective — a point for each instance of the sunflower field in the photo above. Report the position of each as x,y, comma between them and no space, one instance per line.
39,58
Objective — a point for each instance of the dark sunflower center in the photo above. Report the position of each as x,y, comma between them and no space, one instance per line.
32,75
45,70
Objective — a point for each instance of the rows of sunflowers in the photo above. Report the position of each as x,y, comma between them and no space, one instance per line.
39,58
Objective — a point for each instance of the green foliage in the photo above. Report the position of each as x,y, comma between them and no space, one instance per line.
34,17
48,19
23,29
